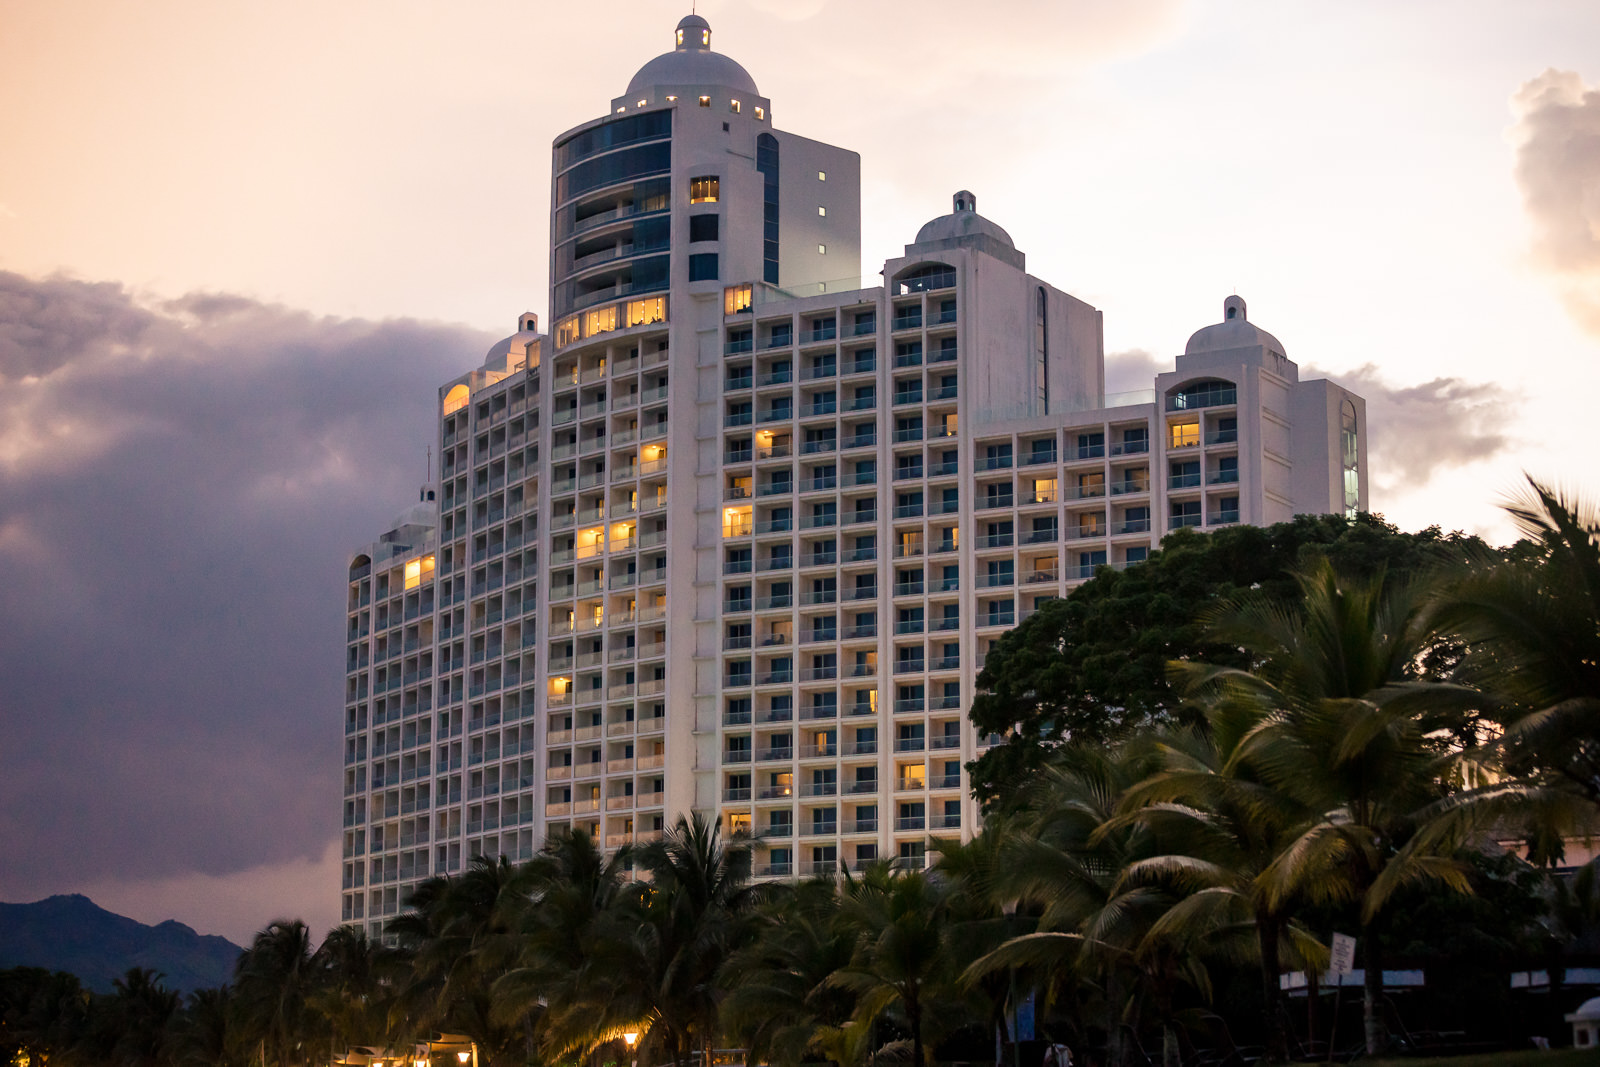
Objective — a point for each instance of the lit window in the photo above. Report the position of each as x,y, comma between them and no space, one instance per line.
622,110
419,571
1184,435
566,332
601,320
705,101
822,175
703,190
822,211
822,250
457,397
1044,491
761,113
641,103
913,776
733,106
680,38
736,521
735,298
641,312
672,99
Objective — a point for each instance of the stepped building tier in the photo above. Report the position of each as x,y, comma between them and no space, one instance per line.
736,536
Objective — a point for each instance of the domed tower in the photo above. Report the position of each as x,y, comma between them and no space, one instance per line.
685,188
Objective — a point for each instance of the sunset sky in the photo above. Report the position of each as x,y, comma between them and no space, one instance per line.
241,243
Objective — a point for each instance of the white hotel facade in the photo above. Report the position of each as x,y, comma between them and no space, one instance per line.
736,536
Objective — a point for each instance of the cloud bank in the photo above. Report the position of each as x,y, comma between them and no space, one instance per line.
180,486
1557,133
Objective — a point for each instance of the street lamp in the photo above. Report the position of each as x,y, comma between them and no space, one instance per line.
632,1038
463,1056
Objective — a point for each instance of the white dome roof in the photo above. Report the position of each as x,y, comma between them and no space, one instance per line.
964,221
692,63
1234,331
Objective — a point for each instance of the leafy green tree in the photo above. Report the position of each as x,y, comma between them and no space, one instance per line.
1092,667
43,1016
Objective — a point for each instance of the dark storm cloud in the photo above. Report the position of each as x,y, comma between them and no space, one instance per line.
180,486
1415,431
1558,170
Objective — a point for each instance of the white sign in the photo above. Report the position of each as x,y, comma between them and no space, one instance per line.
1342,958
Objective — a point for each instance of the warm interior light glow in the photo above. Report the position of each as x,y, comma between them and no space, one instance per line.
1185,434
736,298
455,400
560,684
736,522
704,190
631,1037
463,1056
644,312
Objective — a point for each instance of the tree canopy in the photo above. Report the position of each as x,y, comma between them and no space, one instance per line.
1092,667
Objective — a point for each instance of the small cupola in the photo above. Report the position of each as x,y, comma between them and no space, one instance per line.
694,34
1233,308
964,201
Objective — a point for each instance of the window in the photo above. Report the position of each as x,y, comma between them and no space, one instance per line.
822,250
736,298
703,190
733,106
702,228
1184,434
705,101
703,267
822,212
822,175
761,113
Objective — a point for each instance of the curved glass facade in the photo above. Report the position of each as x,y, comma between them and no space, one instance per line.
650,126
612,169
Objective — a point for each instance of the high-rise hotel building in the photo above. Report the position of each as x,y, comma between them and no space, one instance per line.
736,536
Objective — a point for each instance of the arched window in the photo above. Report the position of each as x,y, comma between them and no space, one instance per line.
1207,393
1350,455
456,399
926,277
360,567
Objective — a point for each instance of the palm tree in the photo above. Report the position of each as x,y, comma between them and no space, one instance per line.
1066,854
351,991
1217,828
903,957
462,934
207,1033
1348,732
779,1001
273,983
694,912
573,887
1532,629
